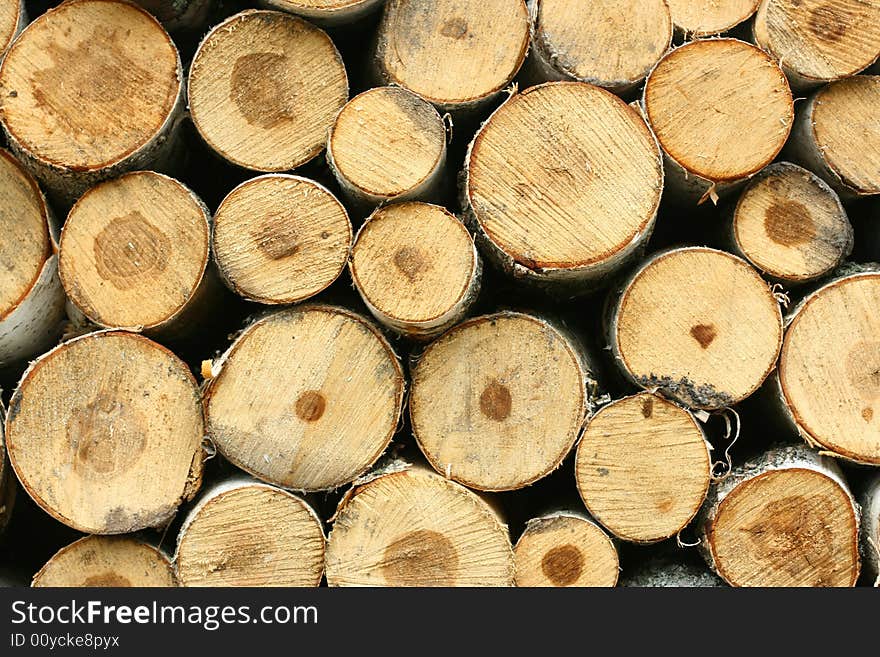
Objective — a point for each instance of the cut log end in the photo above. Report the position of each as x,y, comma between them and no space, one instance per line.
387,143
88,84
564,180
415,528
250,534
416,267
870,528
123,448
134,251
789,224
454,53
343,391
829,369
700,18
819,41
643,468
487,411
281,239
671,331
666,573
612,43
106,561
565,550
12,19
264,89
720,108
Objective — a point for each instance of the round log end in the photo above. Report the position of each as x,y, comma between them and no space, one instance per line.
700,325
264,88
643,468
105,433
343,391
698,18
415,528
281,239
106,561
10,20
134,250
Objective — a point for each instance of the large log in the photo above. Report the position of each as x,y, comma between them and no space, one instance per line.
245,533
721,110
829,368
416,267
562,185
107,561
565,548
406,526
105,433
280,239
786,518
457,54
643,468
264,88
91,89
306,398
698,324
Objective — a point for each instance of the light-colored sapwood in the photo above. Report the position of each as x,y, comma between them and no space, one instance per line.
457,54
31,297
791,225
91,89
13,18
416,267
327,13
134,253
817,41
836,135
562,184
280,239
306,398
609,43
107,561
721,110
829,368
407,526
785,518
105,433
245,533
565,548
388,144
643,468
264,88
497,402
700,18
699,325
870,538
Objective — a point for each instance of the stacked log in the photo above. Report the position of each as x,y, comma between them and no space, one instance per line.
702,18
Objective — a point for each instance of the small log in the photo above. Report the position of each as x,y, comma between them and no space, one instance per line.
264,88
327,13
565,549
613,44
791,225
134,254
871,530
829,368
31,297
105,433
416,267
244,533
700,325
498,401
721,110
702,18
280,239
406,526
836,136
179,15
667,573
107,561
786,518
816,41
457,54
340,402
387,144
562,185
643,468
13,19
91,89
